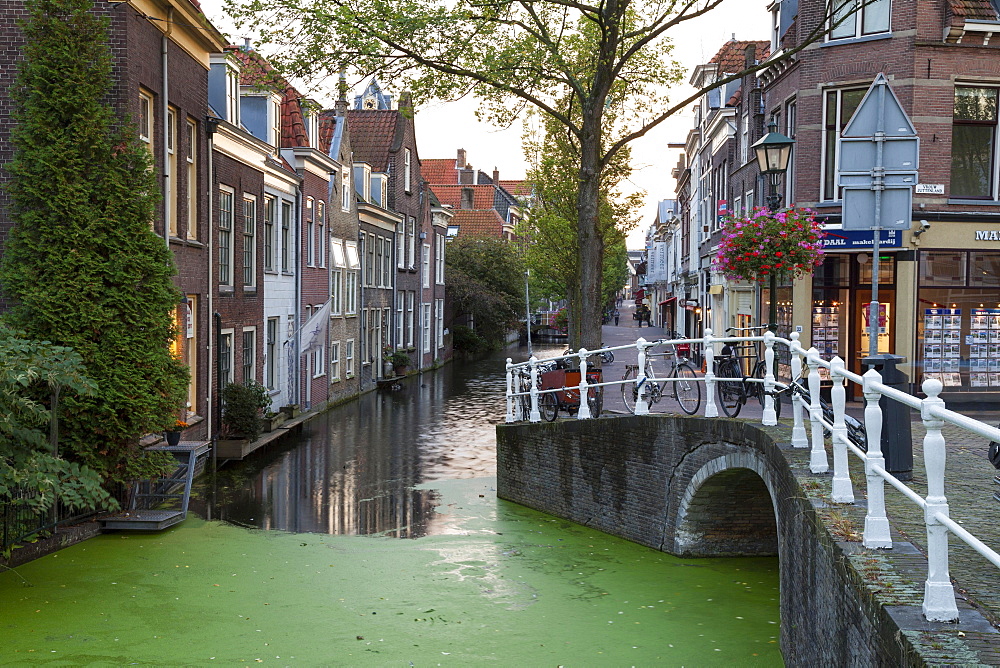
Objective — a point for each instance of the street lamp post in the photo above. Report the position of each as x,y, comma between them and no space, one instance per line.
527,310
773,152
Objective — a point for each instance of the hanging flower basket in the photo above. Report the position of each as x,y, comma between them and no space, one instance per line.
764,244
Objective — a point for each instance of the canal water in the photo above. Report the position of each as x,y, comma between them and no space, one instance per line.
376,539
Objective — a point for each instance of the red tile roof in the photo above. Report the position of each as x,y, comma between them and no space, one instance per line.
973,9
731,57
519,189
439,170
478,223
482,196
293,127
372,135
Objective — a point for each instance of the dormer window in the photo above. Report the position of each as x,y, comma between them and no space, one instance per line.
224,86
311,121
232,95
379,189
362,180
274,121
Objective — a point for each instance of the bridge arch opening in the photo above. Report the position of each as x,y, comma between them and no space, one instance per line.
730,513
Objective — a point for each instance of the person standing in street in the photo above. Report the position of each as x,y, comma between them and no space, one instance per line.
617,315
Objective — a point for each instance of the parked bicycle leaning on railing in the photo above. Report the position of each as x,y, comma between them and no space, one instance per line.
681,376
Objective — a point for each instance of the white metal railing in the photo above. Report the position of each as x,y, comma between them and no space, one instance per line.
939,595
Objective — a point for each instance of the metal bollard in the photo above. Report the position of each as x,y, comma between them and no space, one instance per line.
897,439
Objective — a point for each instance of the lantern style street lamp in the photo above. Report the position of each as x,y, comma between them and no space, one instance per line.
773,152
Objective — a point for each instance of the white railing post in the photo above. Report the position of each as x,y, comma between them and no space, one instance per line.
534,416
817,455
711,410
583,412
939,595
799,439
842,491
770,418
510,389
876,523
641,405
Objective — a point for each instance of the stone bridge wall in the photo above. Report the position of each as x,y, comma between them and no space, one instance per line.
701,487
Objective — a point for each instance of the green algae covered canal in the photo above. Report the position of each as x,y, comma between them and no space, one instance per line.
376,539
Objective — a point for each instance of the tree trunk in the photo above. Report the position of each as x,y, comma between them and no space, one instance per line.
588,231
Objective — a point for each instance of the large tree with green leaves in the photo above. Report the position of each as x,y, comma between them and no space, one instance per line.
538,53
485,285
82,263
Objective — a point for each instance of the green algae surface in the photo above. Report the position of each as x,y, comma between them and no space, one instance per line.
492,583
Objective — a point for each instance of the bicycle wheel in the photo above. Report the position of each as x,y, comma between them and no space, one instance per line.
549,406
687,391
756,390
595,401
730,388
629,392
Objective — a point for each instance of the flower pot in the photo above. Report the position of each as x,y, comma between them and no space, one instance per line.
172,437
269,424
399,369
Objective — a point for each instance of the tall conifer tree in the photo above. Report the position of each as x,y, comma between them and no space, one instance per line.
82,263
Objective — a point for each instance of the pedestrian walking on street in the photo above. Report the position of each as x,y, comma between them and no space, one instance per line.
617,315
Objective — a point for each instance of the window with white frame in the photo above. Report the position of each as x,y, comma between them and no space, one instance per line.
310,232
226,357
274,121
351,279
379,251
859,18
192,180
974,143
387,262
286,236
400,306
170,195
335,361
225,236
791,111
271,353
349,358
248,357
425,261
426,327
321,233
411,233
318,353
370,276
406,170
269,240
146,119
410,324
401,245
838,107
337,276
439,322
439,240
346,192
249,240
232,95
745,133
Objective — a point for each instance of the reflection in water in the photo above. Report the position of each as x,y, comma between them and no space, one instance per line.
353,470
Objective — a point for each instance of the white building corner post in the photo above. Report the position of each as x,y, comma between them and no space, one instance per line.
842,490
939,594
876,534
583,412
510,391
711,410
641,405
799,438
817,454
535,416
770,417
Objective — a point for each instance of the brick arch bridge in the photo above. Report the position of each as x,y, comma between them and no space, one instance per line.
706,487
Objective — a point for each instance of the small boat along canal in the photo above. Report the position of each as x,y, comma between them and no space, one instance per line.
376,539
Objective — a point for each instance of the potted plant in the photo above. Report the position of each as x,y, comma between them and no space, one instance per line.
272,420
400,361
770,244
243,407
173,435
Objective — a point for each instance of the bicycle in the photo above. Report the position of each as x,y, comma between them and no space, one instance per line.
686,389
736,389
607,356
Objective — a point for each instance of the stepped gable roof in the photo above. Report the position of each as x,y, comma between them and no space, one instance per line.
517,188
439,170
470,223
732,56
451,193
372,136
973,9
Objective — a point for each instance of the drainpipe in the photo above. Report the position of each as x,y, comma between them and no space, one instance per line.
211,124
167,204
296,368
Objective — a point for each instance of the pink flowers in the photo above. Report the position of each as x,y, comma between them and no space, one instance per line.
787,243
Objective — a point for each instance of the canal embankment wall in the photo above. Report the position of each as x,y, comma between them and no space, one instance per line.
697,487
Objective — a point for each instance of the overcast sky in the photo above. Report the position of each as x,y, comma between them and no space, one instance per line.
444,127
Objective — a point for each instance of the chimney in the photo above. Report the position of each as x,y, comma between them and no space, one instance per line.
460,161
496,176
750,55
246,44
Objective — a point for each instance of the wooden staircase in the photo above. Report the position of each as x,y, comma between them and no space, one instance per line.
161,503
